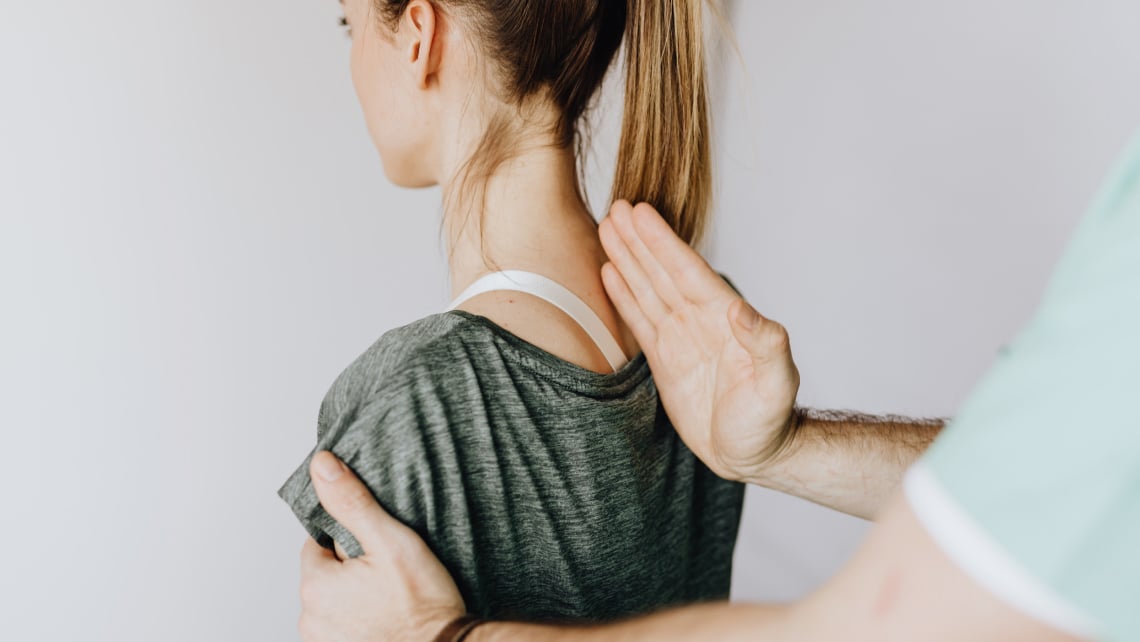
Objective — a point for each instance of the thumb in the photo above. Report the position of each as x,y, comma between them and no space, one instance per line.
762,338
350,502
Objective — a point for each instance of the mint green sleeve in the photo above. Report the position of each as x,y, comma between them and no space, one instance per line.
1043,461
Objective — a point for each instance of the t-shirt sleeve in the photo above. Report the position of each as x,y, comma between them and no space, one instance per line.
1034,490
381,442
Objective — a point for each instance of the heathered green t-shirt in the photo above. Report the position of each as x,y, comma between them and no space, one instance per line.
547,490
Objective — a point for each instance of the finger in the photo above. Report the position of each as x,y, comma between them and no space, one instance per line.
350,503
315,557
661,280
635,278
765,340
691,274
643,330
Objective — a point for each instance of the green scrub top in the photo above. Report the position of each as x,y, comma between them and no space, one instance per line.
1034,490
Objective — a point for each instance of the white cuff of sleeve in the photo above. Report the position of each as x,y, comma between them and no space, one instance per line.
976,554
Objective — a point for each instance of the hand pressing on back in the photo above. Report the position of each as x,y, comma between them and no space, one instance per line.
724,373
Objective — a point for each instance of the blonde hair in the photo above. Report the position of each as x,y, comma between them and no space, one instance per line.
663,156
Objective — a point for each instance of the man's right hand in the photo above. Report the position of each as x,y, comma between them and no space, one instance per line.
725,374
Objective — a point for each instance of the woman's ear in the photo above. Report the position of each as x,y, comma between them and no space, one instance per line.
424,48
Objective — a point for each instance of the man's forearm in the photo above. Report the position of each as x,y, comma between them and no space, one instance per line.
848,461
718,621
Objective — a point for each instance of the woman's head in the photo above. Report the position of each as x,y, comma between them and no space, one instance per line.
459,83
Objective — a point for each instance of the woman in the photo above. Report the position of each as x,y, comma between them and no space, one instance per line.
512,431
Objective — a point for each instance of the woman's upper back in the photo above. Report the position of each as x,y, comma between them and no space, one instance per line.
549,491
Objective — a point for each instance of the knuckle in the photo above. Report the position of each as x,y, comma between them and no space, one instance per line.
405,552
356,499
777,334
781,333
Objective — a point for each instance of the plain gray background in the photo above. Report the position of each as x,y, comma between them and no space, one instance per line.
197,237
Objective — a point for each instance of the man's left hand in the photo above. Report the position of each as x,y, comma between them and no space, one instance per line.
396,591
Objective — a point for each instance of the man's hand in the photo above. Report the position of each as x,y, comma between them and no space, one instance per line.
725,374
397,591
726,377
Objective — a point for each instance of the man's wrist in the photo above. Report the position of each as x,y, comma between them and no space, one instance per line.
844,460
760,469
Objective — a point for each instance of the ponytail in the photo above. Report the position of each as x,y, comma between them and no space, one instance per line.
663,157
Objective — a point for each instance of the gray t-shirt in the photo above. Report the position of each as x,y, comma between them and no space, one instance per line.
549,492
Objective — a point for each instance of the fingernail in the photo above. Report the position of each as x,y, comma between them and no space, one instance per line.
328,466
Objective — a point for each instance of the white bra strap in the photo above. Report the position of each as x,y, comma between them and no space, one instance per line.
556,295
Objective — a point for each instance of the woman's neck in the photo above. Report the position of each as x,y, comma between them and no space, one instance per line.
527,216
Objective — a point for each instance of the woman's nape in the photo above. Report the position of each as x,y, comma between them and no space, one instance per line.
535,221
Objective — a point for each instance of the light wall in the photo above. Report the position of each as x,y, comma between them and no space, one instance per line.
197,237
898,179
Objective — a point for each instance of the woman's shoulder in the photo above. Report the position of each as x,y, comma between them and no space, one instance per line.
434,346
414,365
